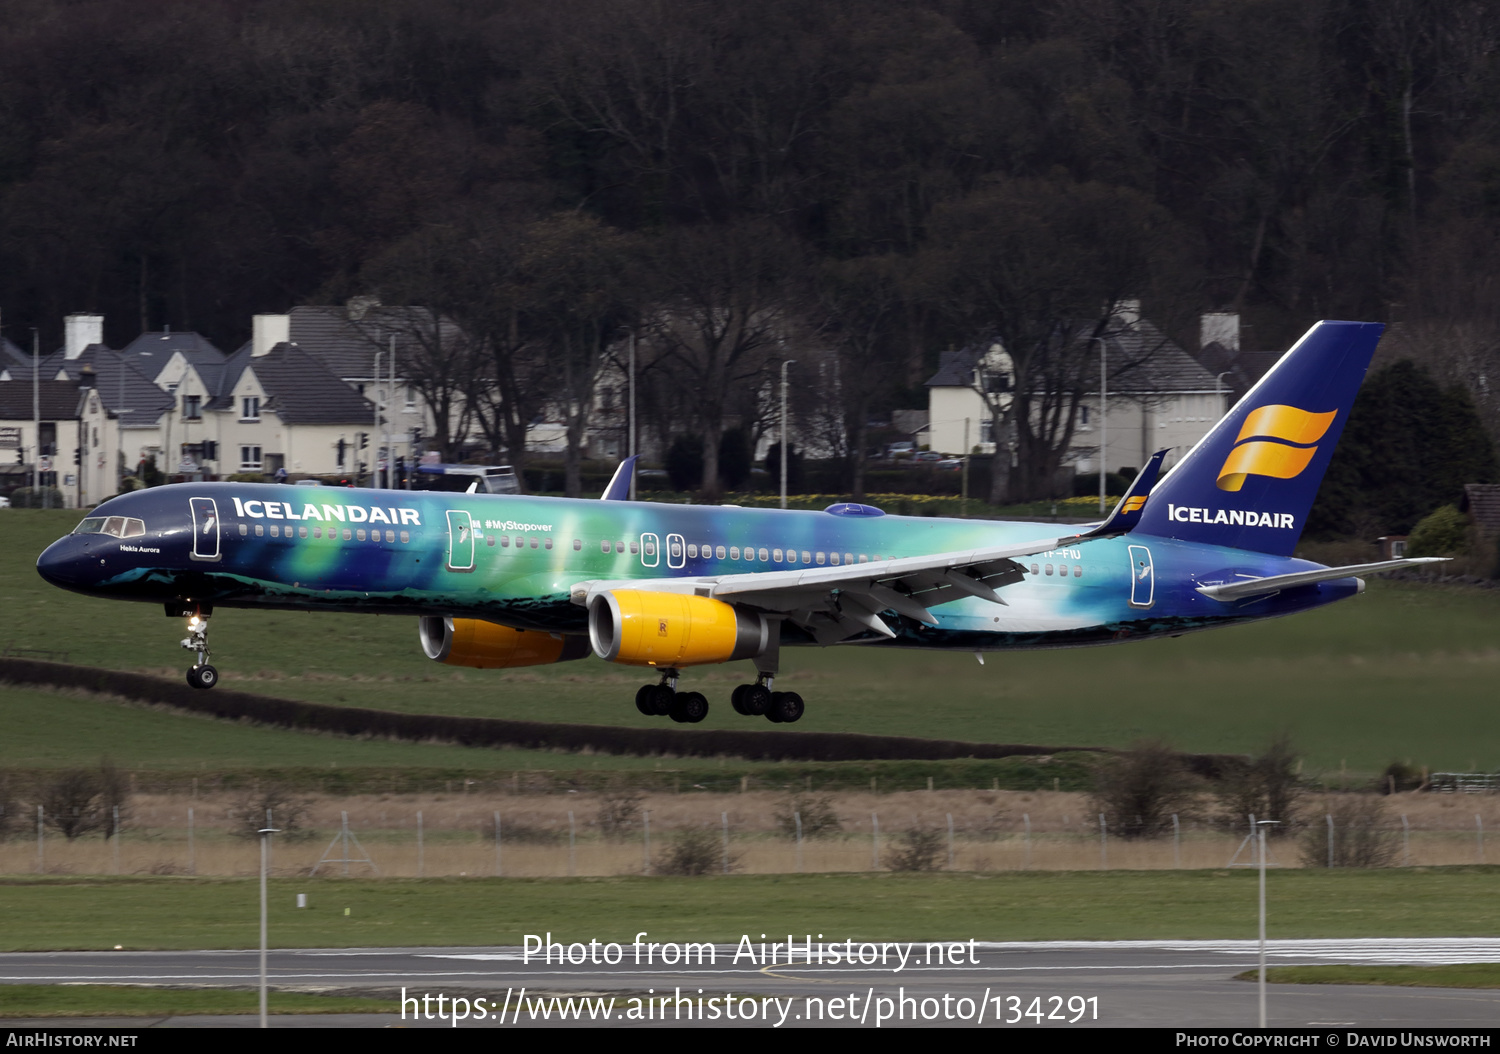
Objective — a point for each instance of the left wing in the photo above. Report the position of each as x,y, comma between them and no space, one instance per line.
836,603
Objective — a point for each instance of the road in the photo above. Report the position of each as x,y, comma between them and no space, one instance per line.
1057,983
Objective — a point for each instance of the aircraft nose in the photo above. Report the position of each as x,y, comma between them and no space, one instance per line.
61,563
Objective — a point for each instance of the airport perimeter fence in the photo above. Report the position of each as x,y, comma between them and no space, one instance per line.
611,838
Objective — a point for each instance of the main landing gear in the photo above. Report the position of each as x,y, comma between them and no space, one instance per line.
664,700
752,700
202,675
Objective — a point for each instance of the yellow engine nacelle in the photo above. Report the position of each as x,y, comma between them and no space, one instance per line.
641,628
488,646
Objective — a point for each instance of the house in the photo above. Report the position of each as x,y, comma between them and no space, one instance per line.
1157,396
72,446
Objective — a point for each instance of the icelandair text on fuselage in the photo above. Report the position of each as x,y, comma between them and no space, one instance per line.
1235,517
286,510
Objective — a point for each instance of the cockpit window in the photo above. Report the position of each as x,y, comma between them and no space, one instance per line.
119,526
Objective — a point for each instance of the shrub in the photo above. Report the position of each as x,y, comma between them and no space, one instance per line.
1139,790
288,813
1269,786
919,849
619,811
1444,532
40,498
77,801
818,817
696,851
1362,835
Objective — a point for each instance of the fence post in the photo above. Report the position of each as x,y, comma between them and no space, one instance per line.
498,870
421,857
572,846
1479,829
797,818
1329,817
646,852
41,843
1026,818
950,841
1405,841
117,841
1103,844
192,848
724,818
1176,843
874,842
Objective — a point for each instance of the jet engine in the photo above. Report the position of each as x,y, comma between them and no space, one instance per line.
488,646
639,628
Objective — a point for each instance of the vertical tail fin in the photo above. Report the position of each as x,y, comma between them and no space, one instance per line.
1250,482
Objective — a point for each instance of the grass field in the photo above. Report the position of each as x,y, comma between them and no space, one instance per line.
167,913
1405,672
1454,975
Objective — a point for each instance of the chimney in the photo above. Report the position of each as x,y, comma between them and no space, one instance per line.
79,331
1221,326
269,331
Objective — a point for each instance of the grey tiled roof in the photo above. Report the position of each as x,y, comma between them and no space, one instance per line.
121,385
152,351
301,390
1143,361
59,400
348,348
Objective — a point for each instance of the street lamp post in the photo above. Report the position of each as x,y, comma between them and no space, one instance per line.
1261,826
265,839
785,363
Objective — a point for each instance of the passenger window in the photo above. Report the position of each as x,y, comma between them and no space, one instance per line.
301,532
260,530
693,551
533,543
635,548
489,540
822,559
405,537
1062,570
764,556
276,531
1048,569
848,558
776,555
720,552
549,543
390,536
360,534
244,530
863,558
348,534
734,552
577,545
807,557
1035,570
505,541
1077,570
833,558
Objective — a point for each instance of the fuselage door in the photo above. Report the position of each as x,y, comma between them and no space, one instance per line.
460,541
676,551
1142,577
650,550
205,528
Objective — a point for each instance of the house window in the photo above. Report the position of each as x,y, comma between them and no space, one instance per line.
249,457
411,400
250,408
192,407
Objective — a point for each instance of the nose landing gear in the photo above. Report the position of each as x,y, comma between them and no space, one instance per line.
202,675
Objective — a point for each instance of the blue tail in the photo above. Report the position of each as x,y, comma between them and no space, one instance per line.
1250,482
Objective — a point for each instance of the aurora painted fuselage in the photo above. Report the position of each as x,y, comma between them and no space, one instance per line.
515,560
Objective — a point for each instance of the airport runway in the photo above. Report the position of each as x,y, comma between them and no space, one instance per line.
1016,984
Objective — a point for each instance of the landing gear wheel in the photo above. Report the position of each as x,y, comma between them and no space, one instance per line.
786,707
203,676
736,699
662,697
645,699
689,708
755,699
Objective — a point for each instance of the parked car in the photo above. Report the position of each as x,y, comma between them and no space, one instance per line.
950,464
927,455
900,450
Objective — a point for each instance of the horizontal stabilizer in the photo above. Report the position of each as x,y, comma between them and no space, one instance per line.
1256,587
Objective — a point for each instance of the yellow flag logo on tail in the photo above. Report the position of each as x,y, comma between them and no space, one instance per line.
1260,458
1133,505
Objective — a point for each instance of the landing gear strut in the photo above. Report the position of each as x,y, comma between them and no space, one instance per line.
756,700
664,700
202,675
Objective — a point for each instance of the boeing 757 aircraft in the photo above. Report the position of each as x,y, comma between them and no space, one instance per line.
509,580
